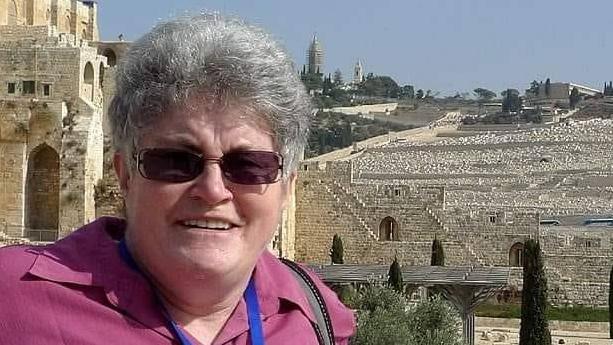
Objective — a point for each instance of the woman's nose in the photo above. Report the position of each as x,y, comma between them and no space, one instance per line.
210,185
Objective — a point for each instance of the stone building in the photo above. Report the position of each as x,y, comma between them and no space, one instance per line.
556,95
52,92
483,196
358,73
315,57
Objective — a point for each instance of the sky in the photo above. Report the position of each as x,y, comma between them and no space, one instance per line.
446,46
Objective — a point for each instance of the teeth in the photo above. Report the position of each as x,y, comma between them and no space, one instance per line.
208,224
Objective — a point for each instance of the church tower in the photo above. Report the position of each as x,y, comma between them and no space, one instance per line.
315,57
358,72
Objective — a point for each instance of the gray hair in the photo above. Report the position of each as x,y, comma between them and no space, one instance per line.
220,58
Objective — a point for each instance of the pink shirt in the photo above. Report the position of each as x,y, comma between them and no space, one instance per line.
79,291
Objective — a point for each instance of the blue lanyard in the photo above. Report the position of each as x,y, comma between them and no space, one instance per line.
251,298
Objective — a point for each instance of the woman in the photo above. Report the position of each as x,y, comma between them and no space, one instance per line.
208,122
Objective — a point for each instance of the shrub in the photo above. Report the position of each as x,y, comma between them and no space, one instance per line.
385,318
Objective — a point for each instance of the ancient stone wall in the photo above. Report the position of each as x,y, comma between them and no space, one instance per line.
51,116
329,202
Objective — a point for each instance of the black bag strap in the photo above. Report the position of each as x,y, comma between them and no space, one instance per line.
323,328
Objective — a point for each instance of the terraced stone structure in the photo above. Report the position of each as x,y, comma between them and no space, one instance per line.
482,195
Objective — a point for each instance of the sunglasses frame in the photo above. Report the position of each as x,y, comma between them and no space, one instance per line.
138,157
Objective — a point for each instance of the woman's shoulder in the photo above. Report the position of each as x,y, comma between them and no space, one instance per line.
343,319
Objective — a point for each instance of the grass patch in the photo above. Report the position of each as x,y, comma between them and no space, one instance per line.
577,313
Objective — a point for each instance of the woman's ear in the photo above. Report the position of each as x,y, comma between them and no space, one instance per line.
122,170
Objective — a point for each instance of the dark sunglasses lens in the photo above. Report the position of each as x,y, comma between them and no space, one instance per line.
170,165
251,167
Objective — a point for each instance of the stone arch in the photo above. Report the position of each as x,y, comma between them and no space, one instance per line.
388,230
111,57
12,15
516,255
43,193
88,81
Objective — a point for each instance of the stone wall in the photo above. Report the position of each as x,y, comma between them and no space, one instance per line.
65,16
50,102
329,201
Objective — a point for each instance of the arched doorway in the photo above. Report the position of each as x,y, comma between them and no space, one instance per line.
111,58
12,13
43,193
516,255
388,230
88,81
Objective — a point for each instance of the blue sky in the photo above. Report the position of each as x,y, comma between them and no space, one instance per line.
443,45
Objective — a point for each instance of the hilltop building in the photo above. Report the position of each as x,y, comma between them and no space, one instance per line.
358,72
556,95
315,57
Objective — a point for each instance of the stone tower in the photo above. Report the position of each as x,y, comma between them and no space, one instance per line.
358,72
51,113
315,57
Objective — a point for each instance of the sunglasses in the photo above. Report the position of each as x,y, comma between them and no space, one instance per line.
242,167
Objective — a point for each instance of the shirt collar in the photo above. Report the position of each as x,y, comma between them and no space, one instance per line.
90,257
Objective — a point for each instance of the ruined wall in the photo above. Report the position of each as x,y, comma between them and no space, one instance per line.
579,260
327,203
51,115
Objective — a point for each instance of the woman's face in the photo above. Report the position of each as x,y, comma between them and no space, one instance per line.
207,226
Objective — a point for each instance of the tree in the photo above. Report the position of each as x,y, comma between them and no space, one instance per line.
611,304
407,91
438,256
547,87
336,253
419,94
574,98
484,94
338,77
394,276
312,81
608,89
511,101
534,88
382,315
434,322
534,327
385,317
379,86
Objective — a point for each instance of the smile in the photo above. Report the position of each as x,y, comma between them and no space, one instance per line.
208,224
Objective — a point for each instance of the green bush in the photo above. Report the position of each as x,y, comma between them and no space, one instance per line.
385,317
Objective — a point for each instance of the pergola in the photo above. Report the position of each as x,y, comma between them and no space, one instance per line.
465,287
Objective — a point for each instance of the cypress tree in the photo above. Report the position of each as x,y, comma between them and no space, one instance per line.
394,276
534,328
336,253
611,304
438,255
574,98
